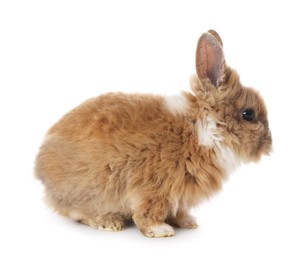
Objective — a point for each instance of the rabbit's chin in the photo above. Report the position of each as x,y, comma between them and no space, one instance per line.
257,155
261,149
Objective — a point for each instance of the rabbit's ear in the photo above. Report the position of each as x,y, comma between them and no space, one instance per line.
210,60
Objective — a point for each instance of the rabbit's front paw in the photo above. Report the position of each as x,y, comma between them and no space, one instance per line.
187,223
183,220
163,230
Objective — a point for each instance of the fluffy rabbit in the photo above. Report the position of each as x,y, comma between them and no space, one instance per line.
151,158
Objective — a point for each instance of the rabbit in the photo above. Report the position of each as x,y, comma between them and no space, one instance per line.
150,159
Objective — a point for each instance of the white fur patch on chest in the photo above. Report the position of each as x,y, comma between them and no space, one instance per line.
227,158
176,104
209,136
207,132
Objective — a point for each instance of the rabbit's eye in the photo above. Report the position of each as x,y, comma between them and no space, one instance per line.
248,114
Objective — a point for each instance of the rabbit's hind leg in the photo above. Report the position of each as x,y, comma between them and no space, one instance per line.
108,222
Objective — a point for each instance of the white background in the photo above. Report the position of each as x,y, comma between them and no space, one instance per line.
55,54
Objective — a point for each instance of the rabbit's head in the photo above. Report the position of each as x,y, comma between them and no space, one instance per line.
239,113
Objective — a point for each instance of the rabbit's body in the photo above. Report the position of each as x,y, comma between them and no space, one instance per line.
142,157
102,159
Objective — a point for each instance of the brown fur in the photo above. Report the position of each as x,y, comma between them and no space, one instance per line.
119,156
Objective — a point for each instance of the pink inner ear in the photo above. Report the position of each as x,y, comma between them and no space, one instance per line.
210,59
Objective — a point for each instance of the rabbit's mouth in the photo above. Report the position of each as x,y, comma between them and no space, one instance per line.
262,147
265,145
